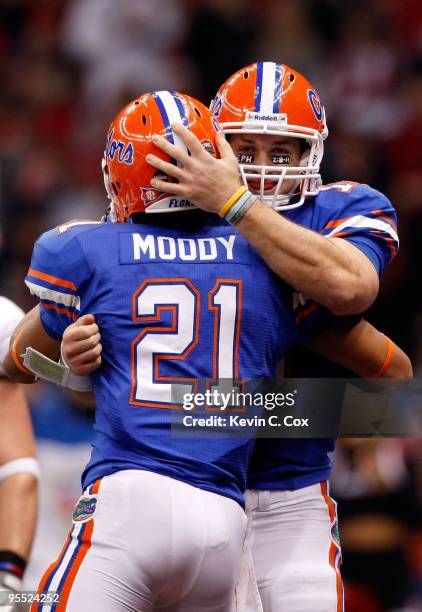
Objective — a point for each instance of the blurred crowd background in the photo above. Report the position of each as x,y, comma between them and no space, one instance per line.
69,65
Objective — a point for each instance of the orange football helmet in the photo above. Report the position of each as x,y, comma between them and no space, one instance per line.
270,98
127,175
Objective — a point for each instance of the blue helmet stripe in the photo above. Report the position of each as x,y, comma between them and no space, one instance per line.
258,87
180,108
165,118
277,88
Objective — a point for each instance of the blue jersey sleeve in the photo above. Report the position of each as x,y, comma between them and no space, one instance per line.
57,272
365,218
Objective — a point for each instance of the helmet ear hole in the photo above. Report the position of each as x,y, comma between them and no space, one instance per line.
144,120
198,112
246,75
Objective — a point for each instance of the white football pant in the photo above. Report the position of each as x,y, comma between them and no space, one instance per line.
149,543
293,542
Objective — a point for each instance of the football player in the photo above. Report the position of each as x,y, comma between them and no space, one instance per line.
275,123
275,127
19,471
287,547
179,299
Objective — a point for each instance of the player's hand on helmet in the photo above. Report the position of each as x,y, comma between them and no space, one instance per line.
204,180
81,346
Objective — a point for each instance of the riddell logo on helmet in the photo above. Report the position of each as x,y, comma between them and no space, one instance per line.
273,118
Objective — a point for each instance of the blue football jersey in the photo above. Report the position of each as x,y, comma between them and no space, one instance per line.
366,218
174,304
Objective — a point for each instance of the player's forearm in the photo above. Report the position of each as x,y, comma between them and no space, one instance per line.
16,438
359,347
15,372
18,472
18,513
312,264
29,332
85,400
352,344
400,367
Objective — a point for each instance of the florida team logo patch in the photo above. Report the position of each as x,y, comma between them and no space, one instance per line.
85,508
335,535
150,195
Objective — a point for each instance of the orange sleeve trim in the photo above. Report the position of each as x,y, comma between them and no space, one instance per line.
387,361
390,241
379,213
335,223
52,279
342,234
63,311
16,358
